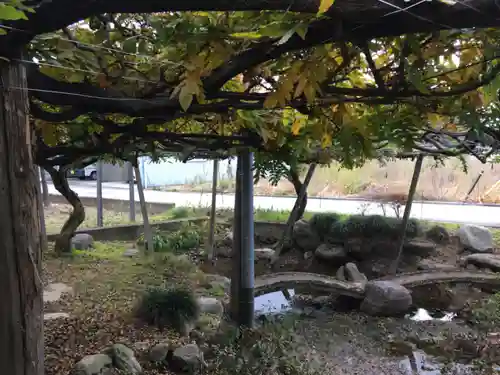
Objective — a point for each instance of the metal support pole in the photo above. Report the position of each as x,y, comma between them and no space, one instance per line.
246,294
236,254
211,233
100,214
406,215
131,188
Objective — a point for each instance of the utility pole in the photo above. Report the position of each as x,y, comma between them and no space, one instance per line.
100,213
242,293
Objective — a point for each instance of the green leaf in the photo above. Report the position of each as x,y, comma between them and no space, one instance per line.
286,37
8,12
130,45
324,5
2,31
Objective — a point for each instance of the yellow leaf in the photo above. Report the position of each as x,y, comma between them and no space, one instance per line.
324,5
271,100
296,126
435,120
310,93
326,140
451,127
300,87
185,97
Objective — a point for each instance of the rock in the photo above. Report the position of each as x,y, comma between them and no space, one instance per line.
386,298
427,265
353,274
218,282
340,274
159,352
331,253
130,253
210,305
187,358
471,267
475,238
227,240
491,261
308,255
82,241
264,254
57,315
97,364
438,234
124,359
419,247
358,249
304,236
141,346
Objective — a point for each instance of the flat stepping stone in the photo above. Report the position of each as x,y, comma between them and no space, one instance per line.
54,316
53,292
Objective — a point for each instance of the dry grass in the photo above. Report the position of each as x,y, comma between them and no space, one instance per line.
437,182
57,214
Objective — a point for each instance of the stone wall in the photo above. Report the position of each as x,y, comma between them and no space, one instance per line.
116,204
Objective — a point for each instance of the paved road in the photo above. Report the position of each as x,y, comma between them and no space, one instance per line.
446,212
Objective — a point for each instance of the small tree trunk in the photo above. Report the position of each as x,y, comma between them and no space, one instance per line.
298,186
77,216
21,326
294,215
406,216
148,234
211,232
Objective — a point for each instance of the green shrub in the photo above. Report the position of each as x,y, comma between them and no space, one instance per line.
168,308
159,241
322,223
179,212
373,226
184,239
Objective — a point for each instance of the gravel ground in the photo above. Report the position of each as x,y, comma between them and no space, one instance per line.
352,344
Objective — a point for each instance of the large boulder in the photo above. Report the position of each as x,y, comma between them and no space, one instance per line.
187,358
331,253
82,241
429,265
97,364
217,282
438,234
475,238
159,352
419,247
340,274
353,274
264,253
385,298
491,261
304,236
210,305
124,359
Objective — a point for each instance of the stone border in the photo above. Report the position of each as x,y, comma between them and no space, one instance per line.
116,205
130,232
